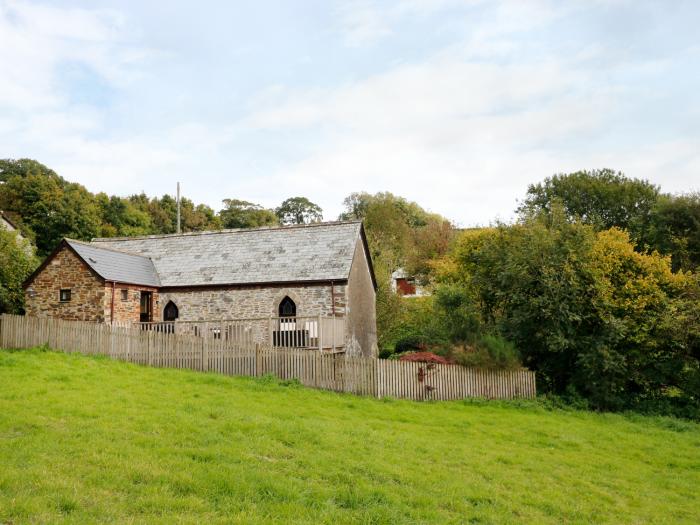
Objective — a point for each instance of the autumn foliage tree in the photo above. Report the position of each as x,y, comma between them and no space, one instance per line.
586,310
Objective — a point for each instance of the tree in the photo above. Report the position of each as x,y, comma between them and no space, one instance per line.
22,167
163,214
675,230
49,206
585,309
243,214
17,261
430,243
120,216
356,206
298,210
197,218
601,198
400,232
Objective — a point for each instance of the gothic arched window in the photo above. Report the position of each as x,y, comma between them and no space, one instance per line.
171,312
287,308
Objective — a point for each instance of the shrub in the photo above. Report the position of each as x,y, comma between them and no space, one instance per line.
409,343
491,351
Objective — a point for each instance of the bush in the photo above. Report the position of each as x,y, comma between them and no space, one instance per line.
491,351
409,343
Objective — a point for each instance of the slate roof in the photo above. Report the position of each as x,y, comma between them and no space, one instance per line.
314,252
113,265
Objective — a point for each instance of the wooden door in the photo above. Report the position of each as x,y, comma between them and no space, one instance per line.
146,315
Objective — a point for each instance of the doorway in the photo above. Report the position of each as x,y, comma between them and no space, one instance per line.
146,312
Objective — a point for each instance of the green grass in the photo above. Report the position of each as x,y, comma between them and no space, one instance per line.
85,440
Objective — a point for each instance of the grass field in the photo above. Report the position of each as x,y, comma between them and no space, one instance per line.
85,440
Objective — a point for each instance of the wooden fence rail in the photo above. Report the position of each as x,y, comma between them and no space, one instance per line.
337,372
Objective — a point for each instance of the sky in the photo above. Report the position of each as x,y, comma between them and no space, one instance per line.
457,105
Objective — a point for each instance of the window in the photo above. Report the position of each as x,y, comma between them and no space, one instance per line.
171,312
64,295
287,308
125,295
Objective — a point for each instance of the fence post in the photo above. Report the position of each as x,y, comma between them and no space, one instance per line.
205,356
320,339
257,360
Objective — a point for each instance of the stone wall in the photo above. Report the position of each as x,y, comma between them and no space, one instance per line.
195,304
128,310
66,271
251,302
361,325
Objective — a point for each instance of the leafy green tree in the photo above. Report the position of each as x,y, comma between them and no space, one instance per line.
356,206
197,218
389,309
399,231
17,261
163,214
243,214
298,210
401,234
22,167
430,243
120,216
675,230
49,206
585,309
601,198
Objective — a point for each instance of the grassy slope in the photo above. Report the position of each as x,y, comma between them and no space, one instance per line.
87,439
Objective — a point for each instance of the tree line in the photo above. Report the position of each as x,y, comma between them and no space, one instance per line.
48,208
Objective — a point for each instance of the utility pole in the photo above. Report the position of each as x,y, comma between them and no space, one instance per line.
178,207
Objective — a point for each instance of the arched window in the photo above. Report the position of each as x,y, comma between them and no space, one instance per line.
287,308
171,312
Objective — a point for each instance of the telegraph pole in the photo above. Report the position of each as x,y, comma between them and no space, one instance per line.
178,207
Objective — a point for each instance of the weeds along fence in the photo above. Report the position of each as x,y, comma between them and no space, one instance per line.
329,371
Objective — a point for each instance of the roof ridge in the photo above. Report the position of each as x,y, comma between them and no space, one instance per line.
229,230
98,247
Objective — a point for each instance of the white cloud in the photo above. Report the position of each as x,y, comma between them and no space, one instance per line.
461,128
362,22
459,137
465,130
37,40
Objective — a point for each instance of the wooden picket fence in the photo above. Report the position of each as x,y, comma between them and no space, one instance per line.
329,371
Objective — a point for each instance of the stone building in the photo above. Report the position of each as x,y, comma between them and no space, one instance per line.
280,273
